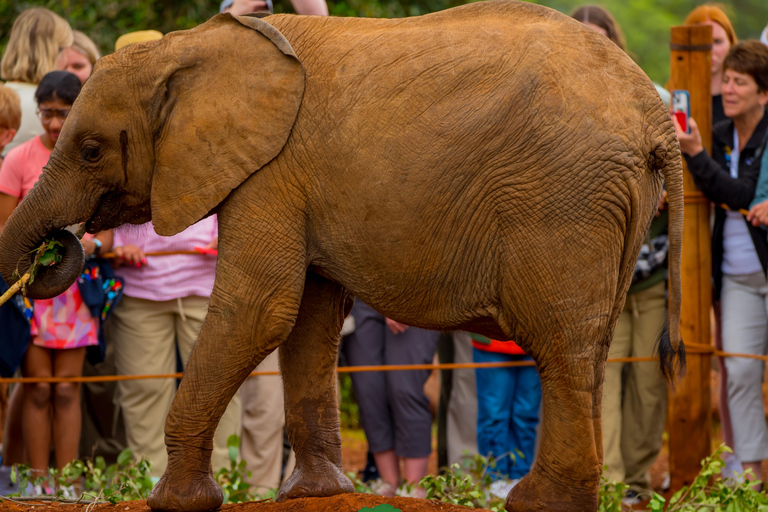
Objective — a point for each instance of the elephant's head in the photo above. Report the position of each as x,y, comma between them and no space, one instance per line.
163,130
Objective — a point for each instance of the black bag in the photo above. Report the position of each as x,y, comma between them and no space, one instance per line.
101,291
15,318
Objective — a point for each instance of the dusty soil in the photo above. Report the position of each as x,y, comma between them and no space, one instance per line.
343,503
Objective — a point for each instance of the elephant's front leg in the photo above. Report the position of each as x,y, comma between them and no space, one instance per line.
308,363
236,336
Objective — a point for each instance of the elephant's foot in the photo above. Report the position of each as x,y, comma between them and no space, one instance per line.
185,491
316,481
537,492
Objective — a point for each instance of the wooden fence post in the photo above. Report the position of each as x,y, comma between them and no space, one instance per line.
690,418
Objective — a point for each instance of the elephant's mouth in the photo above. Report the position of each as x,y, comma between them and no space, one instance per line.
107,214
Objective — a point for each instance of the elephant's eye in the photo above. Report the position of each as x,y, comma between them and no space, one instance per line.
90,153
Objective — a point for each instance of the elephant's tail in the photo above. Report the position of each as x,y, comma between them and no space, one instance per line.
671,347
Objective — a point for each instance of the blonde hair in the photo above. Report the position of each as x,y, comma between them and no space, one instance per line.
10,108
713,13
84,46
37,37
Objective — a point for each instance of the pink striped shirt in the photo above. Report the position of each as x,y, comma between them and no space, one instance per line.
169,277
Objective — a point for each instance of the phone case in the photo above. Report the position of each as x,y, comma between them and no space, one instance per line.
681,108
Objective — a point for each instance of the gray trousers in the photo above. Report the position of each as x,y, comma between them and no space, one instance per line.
462,405
394,410
745,329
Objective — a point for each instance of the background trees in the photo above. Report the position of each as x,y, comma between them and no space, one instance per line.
645,22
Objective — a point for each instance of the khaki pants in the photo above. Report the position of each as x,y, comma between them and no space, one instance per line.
461,428
145,334
633,420
263,423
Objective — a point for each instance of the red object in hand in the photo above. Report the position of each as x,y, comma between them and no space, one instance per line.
207,250
682,120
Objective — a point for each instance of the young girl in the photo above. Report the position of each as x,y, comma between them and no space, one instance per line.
62,327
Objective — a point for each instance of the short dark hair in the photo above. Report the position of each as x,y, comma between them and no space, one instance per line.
751,58
58,84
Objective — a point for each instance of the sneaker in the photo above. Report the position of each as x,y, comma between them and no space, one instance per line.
732,468
382,488
501,488
67,492
631,498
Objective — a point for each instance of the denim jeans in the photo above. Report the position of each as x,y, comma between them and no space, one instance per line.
508,401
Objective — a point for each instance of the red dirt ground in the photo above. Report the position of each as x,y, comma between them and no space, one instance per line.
342,503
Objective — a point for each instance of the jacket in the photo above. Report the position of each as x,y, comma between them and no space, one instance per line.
712,176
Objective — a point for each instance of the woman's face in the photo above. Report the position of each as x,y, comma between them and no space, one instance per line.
52,116
720,46
75,62
740,95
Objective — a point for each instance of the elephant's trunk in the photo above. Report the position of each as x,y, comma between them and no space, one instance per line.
29,225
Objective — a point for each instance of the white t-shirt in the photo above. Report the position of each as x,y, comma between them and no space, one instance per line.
739,254
30,123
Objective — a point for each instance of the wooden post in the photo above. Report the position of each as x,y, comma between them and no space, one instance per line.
690,417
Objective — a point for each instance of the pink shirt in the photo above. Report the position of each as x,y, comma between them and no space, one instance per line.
169,277
22,167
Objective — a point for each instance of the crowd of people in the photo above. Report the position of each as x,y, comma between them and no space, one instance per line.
151,309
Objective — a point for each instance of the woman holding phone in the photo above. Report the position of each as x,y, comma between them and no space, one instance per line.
739,249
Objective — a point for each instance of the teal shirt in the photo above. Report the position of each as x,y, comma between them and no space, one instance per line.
761,192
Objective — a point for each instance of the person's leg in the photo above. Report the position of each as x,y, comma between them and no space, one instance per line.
13,433
612,398
645,394
187,328
462,406
495,390
263,424
411,414
143,335
67,416
36,413
526,403
745,330
365,347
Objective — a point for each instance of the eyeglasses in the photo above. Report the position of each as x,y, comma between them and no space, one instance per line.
47,114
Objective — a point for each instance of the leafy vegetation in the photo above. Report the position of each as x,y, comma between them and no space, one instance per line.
645,23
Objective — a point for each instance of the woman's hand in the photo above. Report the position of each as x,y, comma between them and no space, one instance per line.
395,327
690,143
758,214
129,255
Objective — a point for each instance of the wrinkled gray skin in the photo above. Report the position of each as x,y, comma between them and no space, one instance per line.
492,168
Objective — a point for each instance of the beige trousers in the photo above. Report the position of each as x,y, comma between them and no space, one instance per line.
633,418
263,423
145,334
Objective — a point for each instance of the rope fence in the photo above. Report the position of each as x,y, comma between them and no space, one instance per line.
692,348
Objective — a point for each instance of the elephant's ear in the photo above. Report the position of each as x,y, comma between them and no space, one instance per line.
225,101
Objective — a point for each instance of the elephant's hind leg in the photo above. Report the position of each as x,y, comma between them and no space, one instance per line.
566,474
308,363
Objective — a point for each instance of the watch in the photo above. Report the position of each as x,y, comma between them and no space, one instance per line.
97,249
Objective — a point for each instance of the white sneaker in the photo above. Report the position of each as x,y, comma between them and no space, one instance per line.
732,467
501,488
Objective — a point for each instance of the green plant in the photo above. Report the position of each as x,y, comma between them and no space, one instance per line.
349,413
123,481
232,480
467,484
360,486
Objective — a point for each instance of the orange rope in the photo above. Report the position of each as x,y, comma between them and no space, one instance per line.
356,369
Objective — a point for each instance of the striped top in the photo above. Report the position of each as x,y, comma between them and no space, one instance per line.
169,277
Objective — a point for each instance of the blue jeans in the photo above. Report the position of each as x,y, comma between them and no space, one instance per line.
508,401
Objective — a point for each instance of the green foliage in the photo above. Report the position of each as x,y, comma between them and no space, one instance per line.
232,480
384,507
49,253
360,486
466,484
349,413
123,481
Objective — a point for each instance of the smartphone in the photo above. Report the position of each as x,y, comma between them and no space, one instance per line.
681,108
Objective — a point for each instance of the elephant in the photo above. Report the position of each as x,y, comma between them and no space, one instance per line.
491,168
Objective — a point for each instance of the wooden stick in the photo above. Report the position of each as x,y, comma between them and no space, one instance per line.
15,288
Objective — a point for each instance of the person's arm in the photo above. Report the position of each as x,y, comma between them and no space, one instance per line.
316,7
710,177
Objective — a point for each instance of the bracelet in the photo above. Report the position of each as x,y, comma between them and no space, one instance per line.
97,250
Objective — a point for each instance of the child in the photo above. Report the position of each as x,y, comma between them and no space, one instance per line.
63,326
10,117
